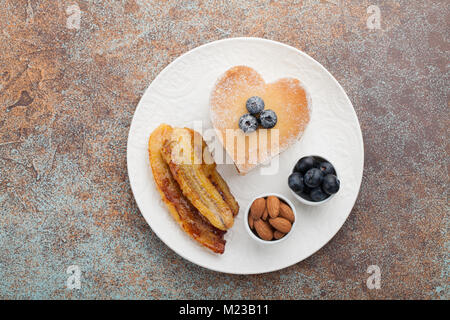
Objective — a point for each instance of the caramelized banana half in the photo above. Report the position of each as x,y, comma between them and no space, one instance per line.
224,191
184,213
183,152
209,167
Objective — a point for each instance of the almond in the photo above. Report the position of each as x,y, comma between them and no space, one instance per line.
257,208
278,235
263,230
250,221
265,214
273,206
281,224
286,212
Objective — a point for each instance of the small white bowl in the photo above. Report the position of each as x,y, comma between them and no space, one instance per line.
254,236
313,203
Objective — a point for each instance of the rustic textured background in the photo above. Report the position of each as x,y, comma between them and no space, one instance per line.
67,97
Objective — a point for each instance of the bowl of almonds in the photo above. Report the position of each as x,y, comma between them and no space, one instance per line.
270,218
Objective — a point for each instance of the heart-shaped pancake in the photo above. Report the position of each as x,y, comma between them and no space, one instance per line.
286,97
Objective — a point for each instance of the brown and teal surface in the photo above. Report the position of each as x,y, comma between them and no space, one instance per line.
67,97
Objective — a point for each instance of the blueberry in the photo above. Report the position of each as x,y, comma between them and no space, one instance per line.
318,195
248,123
255,105
268,119
305,193
306,189
326,168
330,184
305,196
295,182
304,164
313,177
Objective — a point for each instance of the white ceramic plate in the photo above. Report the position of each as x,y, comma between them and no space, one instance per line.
179,96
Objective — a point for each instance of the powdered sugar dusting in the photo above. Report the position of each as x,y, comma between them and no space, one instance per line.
287,97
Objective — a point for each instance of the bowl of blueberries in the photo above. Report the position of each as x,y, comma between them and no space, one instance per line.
314,180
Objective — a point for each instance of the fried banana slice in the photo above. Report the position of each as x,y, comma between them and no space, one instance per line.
185,159
209,167
222,187
184,213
